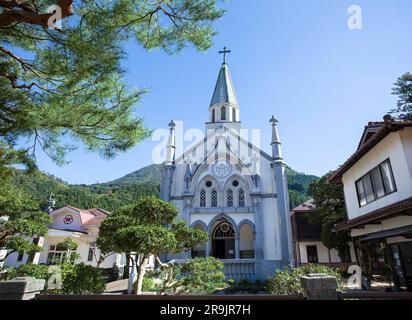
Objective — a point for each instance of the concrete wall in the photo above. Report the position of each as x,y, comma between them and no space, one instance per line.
397,146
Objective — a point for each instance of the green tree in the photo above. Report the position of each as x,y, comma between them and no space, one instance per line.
20,217
330,210
403,89
62,85
67,82
149,227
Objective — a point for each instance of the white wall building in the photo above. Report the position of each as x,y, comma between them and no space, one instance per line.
308,247
80,225
377,182
230,188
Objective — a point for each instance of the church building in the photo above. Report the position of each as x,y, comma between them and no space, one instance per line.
233,190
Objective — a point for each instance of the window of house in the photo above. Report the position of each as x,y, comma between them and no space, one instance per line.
312,252
234,115
92,249
57,254
377,183
213,115
203,198
387,176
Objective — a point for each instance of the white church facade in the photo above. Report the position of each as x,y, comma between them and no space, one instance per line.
233,190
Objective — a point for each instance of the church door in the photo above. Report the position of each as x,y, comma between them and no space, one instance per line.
223,241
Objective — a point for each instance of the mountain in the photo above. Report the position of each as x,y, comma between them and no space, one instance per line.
125,190
298,184
147,174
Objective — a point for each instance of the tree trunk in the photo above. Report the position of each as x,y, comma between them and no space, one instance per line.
126,270
140,277
330,259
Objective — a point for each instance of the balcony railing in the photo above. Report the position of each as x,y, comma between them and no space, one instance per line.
239,269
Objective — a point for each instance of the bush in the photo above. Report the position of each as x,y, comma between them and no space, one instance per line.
37,271
82,279
245,285
76,279
148,285
287,281
202,275
29,270
111,274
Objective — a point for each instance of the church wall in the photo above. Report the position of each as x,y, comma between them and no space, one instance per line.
271,240
178,184
267,181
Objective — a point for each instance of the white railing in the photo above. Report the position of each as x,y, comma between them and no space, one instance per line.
239,269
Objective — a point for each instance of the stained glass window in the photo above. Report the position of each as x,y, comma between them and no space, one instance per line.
202,198
229,198
213,202
241,198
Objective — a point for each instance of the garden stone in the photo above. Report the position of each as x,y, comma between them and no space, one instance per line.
319,287
21,288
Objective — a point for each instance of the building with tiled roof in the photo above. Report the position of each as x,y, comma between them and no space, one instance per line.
377,182
80,225
307,243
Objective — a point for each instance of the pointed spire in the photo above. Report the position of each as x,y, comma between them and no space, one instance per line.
224,91
276,144
171,146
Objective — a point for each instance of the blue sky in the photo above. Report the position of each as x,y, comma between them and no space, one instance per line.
296,59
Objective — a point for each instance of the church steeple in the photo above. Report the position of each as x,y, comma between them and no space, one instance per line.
224,90
224,107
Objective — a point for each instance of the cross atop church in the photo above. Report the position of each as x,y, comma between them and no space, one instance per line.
224,52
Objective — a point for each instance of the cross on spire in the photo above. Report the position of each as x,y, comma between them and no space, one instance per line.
224,52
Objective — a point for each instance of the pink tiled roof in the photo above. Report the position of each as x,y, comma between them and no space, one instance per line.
93,216
305,207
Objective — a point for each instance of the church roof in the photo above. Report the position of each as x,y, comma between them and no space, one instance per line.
224,90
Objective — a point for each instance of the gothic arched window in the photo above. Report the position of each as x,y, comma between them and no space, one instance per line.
224,231
213,115
213,199
203,198
223,114
241,198
229,198
234,115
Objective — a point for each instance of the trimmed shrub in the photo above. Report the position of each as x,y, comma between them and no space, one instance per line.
245,285
149,285
82,279
76,279
202,275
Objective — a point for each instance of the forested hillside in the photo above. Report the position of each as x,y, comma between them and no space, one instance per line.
125,190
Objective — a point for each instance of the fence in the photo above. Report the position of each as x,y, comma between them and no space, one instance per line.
352,295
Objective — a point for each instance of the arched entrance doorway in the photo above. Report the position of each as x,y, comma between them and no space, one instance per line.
223,241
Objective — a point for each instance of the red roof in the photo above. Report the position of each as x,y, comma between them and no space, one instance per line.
93,216
304,207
